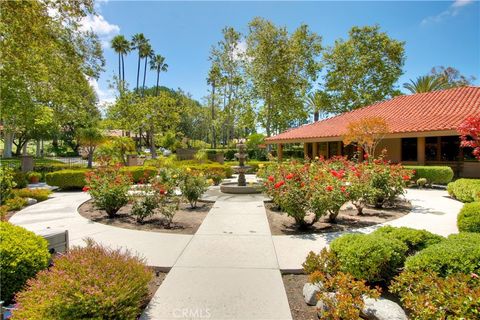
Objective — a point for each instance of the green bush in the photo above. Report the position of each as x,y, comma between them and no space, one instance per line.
15,203
468,219
7,183
140,173
87,283
67,179
414,239
458,253
37,194
22,255
427,296
20,179
465,190
369,257
193,185
433,174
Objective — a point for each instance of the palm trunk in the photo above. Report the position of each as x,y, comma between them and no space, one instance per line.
144,75
158,79
138,70
119,67
316,116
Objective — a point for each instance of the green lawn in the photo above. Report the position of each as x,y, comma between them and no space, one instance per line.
16,161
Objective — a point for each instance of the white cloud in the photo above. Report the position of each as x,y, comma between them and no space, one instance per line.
104,96
452,11
99,25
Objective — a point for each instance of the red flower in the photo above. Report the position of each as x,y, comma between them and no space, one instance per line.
338,174
358,174
366,155
343,188
86,188
162,191
290,176
406,178
329,188
271,179
279,184
302,184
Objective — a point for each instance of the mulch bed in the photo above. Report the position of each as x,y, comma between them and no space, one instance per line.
153,286
294,288
281,224
185,221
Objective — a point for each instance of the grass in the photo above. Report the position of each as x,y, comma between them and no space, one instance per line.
16,161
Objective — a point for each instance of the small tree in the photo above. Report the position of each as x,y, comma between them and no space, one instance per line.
90,138
469,131
366,133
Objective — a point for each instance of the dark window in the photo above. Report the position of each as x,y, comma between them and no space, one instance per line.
409,149
333,149
449,147
431,149
349,150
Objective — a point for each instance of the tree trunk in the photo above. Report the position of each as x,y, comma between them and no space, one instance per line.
138,70
214,138
7,149
316,116
37,149
158,79
90,159
120,67
153,148
24,148
144,75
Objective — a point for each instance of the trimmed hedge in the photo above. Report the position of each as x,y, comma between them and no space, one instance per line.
67,179
87,283
22,255
465,190
369,257
140,173
468,219
37,194
458,253
433,174
414,239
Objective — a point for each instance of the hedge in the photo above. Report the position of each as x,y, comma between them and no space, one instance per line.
140,173
67,179
459,253
465,190
468,219
433,174
414,239
22,255
369,257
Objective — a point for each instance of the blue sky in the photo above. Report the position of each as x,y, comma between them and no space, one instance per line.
436,32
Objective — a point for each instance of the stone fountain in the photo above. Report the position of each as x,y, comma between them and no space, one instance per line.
241,186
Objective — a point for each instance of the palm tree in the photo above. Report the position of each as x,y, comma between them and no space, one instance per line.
318,102
138,41
146,51
157,63
426,83
121,46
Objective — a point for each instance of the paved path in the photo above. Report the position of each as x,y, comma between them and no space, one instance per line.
230,269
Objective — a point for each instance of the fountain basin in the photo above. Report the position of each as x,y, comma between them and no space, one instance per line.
234,188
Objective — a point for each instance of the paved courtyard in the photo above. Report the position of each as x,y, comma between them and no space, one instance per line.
231,268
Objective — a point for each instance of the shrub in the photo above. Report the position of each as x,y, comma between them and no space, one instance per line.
414,239
468,219
140,173
421,182
34,177
7,183
15,203
433,174
87,283
193,185
369,257
22,255
67,179
108,187
144,205
37,194
465,190
458,253
20,179
427,296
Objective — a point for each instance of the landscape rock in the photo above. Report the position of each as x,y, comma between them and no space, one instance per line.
310,291
322,306
31,201
383,309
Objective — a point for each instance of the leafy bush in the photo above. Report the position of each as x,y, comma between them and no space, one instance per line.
15,203
427,296
458,253
34,177
144,205
37,194
414,239
22,255
87,283
108,187
193,185
67,179
433,174
369,257
20,179
140,173
465,190
7,183
468,219
421,182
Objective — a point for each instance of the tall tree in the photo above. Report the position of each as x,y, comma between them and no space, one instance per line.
122,47
213,79
426,83
157,63
89,138
281,68
363,69
146,52
138,42
318,102
452,76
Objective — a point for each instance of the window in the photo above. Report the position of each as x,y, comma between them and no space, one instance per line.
432,149
409,149
333,149
449,147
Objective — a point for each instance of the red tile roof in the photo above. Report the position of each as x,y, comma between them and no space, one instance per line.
431,111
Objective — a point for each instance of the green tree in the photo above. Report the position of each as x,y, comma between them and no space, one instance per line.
452,76
213,79
157,63
138,43
426,83
318,102
281,68
89,138
122,47
363,69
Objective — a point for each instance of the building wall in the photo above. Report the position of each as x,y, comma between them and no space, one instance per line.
394,149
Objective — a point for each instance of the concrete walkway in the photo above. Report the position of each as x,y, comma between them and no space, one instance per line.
229,270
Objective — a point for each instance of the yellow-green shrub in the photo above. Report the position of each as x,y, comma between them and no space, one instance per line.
15,203
433,174
37,194
465,190
468,219
67,179
140,173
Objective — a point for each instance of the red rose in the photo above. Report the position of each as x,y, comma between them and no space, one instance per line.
86,188
329,188
162,191
279,184
271,179
406,178
290,176
366,156
343,188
